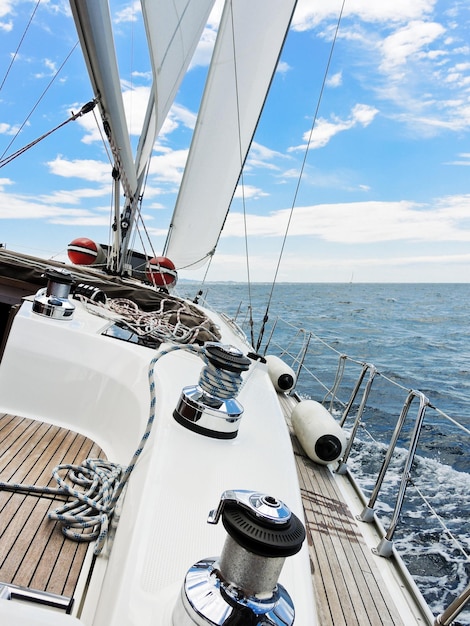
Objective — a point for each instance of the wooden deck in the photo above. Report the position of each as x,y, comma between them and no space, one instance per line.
348,586
34,553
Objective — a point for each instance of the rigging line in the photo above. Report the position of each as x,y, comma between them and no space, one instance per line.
103,140
203,279
86,108
242,180
14,56
139,218
302,168
39,100
111,221
139,214
139,234
208,255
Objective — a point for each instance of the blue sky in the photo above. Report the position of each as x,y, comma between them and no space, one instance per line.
385,194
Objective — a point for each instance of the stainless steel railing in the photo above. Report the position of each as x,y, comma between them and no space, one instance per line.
356,408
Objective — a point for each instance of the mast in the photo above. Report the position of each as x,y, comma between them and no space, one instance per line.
93,23
172,42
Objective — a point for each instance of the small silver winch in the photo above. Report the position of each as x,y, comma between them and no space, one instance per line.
53,301
241,586
210,408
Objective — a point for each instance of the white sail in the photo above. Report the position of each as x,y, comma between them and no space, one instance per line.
249,41
173,32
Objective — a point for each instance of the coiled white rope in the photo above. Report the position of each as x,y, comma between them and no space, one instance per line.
86,517
163,324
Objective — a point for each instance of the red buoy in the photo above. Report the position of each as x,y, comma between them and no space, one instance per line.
83,251
161,272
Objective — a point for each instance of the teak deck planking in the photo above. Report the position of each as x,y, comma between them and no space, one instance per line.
348,586
34,553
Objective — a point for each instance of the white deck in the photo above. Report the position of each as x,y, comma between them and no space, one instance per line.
179,477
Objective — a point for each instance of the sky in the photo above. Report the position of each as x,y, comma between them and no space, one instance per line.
385,190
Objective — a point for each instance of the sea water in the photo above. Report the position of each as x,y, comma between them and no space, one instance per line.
418,336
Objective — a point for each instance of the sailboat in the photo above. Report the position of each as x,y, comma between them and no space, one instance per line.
156,467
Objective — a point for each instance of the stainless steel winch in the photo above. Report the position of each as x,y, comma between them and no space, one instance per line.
53,301
241,586
210,407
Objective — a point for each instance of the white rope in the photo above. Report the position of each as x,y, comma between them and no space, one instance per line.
164,324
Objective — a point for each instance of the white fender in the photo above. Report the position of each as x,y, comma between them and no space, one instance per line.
322,438
281,375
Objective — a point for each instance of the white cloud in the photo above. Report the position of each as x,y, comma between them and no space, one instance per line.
6,26
336,80
75,196
249,191
262,156
130,13
7,129
283,67
305,267
135,105
408,42
4,182
324,130
6,7
86,169
203,53
168,166
364,222
464,159
406,53
309,13
23,207
86,220
179,114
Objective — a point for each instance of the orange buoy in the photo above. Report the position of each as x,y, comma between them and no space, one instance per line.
162,272
83,251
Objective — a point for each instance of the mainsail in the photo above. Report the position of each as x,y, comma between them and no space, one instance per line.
173,31
248,45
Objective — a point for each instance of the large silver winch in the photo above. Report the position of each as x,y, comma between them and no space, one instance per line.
210,407
241,586
53,301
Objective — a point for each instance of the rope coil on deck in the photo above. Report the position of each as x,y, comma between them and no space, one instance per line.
96,485
168,322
